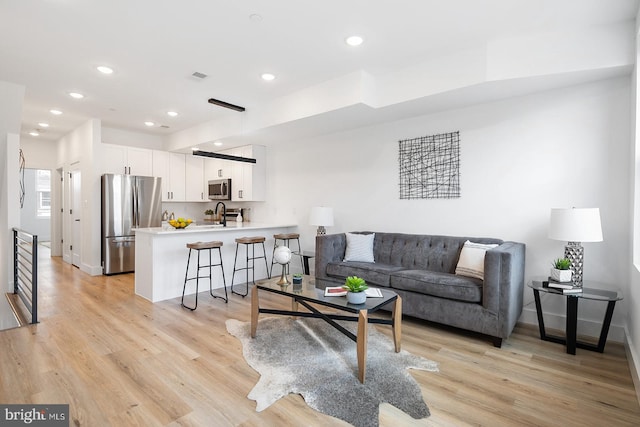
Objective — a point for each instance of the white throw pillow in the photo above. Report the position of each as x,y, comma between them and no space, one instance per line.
359,247
471,262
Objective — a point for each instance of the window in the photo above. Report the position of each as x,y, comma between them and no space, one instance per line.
43,193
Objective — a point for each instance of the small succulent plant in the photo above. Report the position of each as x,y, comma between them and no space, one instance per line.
355,284
562,264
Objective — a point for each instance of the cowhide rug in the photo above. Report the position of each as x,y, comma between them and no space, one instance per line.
309,357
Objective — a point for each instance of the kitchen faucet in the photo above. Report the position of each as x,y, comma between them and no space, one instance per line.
224,213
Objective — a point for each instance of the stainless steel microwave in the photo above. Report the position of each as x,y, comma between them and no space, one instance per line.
219,189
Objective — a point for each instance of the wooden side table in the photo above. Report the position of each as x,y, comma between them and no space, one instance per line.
570,339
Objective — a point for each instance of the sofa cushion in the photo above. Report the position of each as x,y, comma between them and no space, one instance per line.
471,262
374,274
443,285
359,247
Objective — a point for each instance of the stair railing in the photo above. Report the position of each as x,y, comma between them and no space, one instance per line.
25,270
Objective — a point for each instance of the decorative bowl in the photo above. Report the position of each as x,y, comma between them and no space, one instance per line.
180,223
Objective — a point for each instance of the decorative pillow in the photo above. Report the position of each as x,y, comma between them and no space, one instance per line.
471,262
359,247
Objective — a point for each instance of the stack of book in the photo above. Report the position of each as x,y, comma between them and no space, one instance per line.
562,287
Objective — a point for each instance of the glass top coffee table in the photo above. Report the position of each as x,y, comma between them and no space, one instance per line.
309,297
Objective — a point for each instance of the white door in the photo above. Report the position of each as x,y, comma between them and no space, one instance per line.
75,215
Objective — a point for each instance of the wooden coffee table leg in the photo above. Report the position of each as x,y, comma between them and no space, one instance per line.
294,307
396,313
254,311
361,344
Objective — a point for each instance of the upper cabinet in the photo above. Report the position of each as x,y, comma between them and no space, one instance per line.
171,168
248,180
177,177
250,177
194,179
185,177
216,168
119,159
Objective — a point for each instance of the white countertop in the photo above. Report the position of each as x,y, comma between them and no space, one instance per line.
209,228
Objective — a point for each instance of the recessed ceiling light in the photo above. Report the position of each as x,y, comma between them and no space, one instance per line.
172,113
43,125
217,143
268,77
104,69
76,95
354,40
34,133
149,124
55,112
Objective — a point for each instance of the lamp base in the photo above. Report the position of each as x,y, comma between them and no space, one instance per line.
283,277
321,230
574,252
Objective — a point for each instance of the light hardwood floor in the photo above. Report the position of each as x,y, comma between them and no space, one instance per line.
119,360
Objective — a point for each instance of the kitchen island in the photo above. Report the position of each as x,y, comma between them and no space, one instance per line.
161,256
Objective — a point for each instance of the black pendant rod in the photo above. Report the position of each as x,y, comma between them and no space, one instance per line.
226,104
223,156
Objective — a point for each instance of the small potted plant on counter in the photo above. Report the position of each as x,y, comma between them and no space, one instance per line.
356,287
209,214
561,271
297,279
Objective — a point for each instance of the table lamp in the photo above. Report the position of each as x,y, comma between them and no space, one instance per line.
575,225
322,217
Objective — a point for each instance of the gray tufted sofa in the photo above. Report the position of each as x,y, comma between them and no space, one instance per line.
421,269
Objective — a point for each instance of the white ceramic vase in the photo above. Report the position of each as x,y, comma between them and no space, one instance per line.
356,297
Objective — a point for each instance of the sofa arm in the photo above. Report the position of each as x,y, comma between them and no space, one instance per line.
504,283
329,248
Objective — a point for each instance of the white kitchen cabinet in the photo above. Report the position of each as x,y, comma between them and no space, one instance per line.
185,178
177,177
171,168
161,166
248,179
194,179
217,168
119,159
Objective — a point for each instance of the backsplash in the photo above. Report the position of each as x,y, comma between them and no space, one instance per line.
195,211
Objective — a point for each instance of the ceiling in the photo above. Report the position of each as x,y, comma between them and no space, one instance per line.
53,47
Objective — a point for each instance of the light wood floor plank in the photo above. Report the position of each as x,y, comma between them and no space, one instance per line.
119,360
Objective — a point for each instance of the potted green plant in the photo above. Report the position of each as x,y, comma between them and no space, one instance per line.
297,279
561,271
355,287
209,214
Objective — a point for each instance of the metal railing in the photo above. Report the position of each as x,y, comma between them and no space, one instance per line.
25,270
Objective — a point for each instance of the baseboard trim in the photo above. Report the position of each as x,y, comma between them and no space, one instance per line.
91,270
586,327
633,360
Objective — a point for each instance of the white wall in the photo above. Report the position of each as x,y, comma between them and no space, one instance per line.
76,151
132,139
11,97
633,297
39,154
519,158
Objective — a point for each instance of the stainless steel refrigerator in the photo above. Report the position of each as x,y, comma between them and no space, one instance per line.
128,202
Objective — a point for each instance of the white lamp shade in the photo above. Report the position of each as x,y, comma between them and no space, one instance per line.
321,215
575,225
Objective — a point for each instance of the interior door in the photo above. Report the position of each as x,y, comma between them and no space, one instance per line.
76,215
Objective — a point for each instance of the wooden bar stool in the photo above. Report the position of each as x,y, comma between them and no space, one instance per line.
249,241
286,238
204,246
